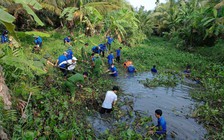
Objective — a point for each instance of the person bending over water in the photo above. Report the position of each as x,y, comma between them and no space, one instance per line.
160,128
109,101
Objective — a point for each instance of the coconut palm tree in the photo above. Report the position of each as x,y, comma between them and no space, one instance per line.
145,21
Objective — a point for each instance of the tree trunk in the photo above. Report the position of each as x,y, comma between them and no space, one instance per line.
3,135
4,92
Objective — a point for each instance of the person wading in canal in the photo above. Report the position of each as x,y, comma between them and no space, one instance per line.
109,101
160,128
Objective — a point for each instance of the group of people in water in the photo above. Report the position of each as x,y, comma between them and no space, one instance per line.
67,63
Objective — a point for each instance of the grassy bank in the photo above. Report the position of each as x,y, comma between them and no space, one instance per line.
52,113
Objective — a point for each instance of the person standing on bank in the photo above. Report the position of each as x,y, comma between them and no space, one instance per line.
109,41
118,52
109,101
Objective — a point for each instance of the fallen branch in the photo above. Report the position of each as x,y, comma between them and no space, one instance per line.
24,115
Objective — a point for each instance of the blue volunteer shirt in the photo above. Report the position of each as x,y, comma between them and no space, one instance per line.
38,41
102,47
131,69
109,40
153,70
161,126
110,58
4,39
187,71
95,49
114,69
118,51
67,40
61,59
69,54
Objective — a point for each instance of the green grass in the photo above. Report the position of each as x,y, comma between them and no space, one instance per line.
51,113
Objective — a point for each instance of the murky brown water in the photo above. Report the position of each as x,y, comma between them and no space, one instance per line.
175,103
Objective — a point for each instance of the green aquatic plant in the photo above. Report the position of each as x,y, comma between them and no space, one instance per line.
167,80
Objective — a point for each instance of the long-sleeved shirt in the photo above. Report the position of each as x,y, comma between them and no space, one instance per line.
61,59
71,65
161,126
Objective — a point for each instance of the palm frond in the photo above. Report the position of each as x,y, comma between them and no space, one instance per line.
103,7
51,8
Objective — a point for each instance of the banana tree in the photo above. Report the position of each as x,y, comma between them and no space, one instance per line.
213,23
117,22
7,19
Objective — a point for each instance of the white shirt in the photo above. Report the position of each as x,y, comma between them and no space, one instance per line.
70,63
109,99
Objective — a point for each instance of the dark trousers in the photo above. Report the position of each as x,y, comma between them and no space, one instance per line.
64,70
40,45
118,58
102,53
105,110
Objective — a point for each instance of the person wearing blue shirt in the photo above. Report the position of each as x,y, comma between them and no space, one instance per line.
113,71
69,53
4,37
96,49
118,57
60,59
109,42
154,70
161,126
67,40
131,69
110,59
103,48
38,41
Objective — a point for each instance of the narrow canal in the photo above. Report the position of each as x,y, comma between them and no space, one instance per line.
176,104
